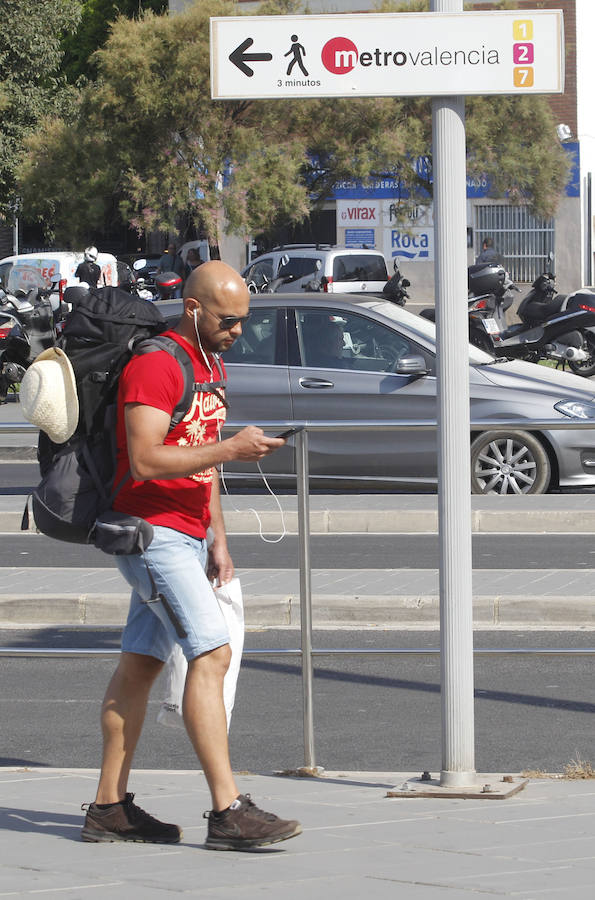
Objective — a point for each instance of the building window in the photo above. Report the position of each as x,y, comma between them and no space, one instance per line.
522,240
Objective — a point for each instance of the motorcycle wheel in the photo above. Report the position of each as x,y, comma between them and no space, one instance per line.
509,462
586,368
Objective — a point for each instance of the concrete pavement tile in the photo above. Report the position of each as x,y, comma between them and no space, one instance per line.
531,881
356,842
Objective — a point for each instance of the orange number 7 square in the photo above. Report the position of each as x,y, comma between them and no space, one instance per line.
523,77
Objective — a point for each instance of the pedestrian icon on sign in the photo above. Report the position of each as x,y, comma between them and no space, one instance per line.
297,51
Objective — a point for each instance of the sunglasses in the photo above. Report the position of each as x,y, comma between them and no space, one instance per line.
226,323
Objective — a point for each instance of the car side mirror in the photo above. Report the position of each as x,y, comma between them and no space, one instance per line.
413,364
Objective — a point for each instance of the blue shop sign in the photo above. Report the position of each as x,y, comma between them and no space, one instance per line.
360,237
386,187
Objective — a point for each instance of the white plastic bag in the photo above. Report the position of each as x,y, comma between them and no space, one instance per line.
232,607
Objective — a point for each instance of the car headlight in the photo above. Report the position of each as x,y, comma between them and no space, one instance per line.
576,409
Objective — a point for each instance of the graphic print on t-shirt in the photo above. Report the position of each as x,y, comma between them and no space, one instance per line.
206,410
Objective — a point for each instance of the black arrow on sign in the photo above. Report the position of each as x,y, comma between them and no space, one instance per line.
239,57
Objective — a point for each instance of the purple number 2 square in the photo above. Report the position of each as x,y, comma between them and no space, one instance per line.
522,53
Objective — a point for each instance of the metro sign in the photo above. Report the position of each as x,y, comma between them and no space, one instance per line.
396,54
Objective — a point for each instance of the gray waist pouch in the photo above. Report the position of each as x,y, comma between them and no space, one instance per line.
122,535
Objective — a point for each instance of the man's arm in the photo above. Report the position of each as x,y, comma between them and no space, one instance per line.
220,564
147,428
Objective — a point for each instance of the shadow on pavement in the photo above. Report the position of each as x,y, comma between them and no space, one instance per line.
424,686
41,822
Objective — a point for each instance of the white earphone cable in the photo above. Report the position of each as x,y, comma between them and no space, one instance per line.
221,472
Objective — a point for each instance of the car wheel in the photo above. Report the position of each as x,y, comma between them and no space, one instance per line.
509,462
586,367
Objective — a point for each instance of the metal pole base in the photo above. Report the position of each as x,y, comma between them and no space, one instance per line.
457,779
484,787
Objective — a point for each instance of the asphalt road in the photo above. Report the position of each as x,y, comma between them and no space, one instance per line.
338,551
371,713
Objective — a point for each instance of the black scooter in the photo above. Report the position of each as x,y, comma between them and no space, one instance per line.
33,330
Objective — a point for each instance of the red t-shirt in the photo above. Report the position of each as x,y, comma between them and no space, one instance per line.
155,379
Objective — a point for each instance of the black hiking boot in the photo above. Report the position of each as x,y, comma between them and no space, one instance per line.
125,821
243,826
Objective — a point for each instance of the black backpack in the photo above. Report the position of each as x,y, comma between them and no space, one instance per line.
106,327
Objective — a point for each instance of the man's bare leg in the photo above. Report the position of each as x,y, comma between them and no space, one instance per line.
122,717
206,722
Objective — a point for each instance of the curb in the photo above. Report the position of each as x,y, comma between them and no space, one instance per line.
384,521
266,611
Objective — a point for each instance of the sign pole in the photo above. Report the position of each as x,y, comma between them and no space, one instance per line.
444,57
454,470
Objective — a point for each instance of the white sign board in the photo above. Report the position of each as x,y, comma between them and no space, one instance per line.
397,54
409,244
358,213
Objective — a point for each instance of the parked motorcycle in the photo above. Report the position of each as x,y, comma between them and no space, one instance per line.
490,296
395,288
167,284
553,326
33,330
542,306
136,285
142,290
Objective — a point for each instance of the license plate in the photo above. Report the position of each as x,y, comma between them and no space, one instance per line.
491,326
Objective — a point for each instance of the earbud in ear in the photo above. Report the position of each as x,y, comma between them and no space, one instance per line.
195,315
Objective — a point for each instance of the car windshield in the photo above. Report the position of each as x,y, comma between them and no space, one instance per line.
24,275
422,327
355,267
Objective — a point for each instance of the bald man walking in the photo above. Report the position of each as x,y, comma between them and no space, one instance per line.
174,485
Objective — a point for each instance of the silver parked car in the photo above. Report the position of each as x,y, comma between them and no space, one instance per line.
342,270
303,358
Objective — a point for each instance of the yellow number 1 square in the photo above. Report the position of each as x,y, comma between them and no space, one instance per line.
522,30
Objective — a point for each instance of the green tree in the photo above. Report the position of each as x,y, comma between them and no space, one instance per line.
97,17
149,138
149,142
30,84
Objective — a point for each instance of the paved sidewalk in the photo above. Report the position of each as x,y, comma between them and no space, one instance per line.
356,842
405,597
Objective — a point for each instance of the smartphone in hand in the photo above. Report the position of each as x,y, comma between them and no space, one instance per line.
286,434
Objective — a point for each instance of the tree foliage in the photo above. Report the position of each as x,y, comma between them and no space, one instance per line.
149,142
97,17
149,138
31,86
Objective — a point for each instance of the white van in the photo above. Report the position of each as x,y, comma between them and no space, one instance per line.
51,267
342,270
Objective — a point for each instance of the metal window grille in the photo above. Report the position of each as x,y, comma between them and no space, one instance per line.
522,240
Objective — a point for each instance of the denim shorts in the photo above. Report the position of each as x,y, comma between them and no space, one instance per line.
177,562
